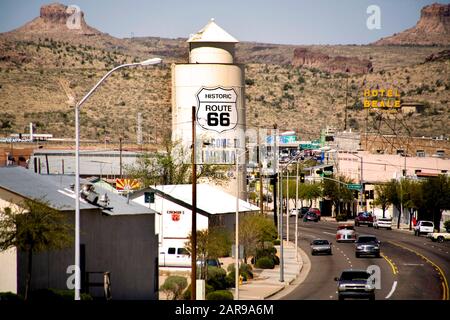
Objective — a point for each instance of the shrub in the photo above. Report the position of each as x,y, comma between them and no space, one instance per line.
447,225
265,263
276,242
245,270
173,286
216,278
56,295
187,293
9,296
220,295
341,217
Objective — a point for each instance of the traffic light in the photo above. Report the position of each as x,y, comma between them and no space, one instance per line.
273,179
371,196
367,194
302,178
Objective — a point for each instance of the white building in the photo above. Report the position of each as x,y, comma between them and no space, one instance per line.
173,203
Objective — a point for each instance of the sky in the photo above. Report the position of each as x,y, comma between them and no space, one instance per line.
283,22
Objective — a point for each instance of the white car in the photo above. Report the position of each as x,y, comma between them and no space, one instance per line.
345,232
423,227
382,223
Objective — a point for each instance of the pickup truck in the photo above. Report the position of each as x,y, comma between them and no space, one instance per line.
439,236
364,218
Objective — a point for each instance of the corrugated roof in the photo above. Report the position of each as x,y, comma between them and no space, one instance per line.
212,33
210,199
56,190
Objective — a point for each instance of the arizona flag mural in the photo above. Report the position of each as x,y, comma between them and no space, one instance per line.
127,184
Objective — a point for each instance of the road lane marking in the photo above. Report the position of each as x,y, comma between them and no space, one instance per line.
394,286
413,264
391,263
333,234
445,289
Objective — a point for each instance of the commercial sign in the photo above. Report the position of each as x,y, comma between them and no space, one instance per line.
217,110
127,184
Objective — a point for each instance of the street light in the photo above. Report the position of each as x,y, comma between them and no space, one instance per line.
77,164
236,243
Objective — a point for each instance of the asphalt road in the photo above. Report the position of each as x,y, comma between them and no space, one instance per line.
412,268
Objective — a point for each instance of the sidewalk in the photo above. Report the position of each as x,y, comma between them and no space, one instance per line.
267,283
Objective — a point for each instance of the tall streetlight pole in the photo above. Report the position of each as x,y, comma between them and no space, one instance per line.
296,214
236,239
287,204
77,164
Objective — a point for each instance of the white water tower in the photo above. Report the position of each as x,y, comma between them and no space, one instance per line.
214,84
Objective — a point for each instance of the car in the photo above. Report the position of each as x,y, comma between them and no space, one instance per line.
423,226
294,212
316,211
382,223
439,236
364,218
356,284
320,246
367,245
345,232
310,216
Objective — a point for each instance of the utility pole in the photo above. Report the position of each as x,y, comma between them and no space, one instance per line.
281,228
275,174
261,196
287,203
120,157
296,216
346,94
194,214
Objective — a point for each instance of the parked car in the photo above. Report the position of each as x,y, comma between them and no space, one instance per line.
364,218
439,236
320,246
367,245
316,211
423,226
295,212
355,284
345,232
173,256
310,216
382,223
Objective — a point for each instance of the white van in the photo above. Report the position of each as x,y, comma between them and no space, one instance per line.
172,256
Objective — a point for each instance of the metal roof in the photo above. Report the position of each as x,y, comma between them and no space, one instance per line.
212,33
210,199
56,190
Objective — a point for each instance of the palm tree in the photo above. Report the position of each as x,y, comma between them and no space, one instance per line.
33,226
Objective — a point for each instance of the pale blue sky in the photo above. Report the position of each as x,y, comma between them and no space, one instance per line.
282,21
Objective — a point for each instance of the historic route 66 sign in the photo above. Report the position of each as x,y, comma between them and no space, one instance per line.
217,110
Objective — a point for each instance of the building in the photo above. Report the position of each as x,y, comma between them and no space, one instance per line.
173,203
117,237
104,163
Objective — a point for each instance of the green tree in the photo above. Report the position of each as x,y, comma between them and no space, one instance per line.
254,230
169,167
436,195
212,243
33,226
337,191
383,197
309,192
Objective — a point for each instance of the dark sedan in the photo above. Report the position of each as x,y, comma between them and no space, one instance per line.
310,216
367,245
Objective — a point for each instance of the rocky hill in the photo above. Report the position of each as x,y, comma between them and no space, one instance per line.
433,28
302,88
307,58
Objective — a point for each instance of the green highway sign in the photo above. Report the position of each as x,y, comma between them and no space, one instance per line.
353,186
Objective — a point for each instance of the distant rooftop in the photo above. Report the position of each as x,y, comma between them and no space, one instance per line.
56,189
212,33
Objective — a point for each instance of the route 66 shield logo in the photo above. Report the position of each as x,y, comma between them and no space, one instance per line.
217,110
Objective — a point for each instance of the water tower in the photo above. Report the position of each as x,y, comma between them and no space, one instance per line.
214,84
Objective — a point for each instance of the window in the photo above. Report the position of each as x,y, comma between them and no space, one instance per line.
182,251
171,251
440,153
400,151
420,153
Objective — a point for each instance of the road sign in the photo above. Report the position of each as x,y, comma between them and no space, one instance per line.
217,110
354,186
149,197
